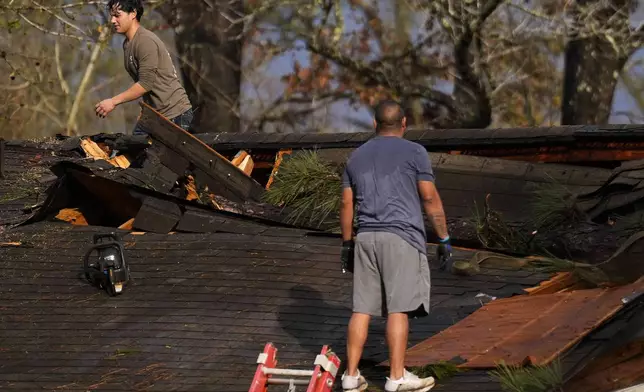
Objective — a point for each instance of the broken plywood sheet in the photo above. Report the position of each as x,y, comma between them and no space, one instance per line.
222,177
539,327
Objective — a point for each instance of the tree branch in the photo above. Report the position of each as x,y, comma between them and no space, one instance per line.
44,30
59,69
78,99
63,20
378,76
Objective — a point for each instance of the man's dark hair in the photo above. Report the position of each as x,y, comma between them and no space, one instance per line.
127,6
389,115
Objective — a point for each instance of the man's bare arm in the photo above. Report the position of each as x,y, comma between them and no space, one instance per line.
346,214
134,92
106,106
433,207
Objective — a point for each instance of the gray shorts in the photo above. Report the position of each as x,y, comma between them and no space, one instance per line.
390,276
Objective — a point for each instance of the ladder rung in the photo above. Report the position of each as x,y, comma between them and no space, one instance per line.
287,381
288,372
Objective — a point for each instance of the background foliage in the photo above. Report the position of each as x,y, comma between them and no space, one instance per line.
302,65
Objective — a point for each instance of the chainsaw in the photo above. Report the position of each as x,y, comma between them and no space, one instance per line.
105,265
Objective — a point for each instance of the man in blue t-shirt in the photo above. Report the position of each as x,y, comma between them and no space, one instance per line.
391,181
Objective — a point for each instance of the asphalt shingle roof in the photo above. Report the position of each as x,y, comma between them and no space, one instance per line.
198,310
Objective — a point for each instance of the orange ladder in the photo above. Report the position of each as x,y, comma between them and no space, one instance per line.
320,379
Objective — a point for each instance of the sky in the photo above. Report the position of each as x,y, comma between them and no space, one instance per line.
339,113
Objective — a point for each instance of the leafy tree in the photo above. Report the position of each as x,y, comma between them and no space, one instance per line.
52,53
469,64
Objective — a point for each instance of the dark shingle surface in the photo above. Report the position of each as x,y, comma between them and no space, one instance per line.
26,178
199,309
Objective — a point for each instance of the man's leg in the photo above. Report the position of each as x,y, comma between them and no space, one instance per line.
358,330
367,301
406,277
397,335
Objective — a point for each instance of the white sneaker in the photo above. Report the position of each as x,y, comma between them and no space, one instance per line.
410,383
353,383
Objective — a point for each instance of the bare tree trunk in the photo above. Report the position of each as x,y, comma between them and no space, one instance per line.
592,64
210,47
72,125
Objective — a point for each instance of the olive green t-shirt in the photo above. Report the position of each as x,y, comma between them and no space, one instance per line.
148,62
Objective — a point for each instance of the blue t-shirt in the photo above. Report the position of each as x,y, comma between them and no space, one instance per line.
384,174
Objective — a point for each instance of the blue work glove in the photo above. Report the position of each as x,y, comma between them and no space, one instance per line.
444,252
347,256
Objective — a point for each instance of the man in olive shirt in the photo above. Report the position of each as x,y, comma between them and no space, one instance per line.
149,64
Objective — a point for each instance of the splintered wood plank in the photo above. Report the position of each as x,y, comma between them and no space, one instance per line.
559,282
10,244
93,150
247,165
120,161
239,158
213,169
278,161
539,327
127,225
73,216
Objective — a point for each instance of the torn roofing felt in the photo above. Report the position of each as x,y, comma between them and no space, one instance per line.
620,194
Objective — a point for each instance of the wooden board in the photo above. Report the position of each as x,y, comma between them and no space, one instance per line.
157,216
539,327
219,173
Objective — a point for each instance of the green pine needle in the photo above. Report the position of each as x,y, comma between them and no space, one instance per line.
553,205
310,188
440,371
529,379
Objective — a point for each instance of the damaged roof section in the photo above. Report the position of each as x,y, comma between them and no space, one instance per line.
525,329
183,151
217,273
105,202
